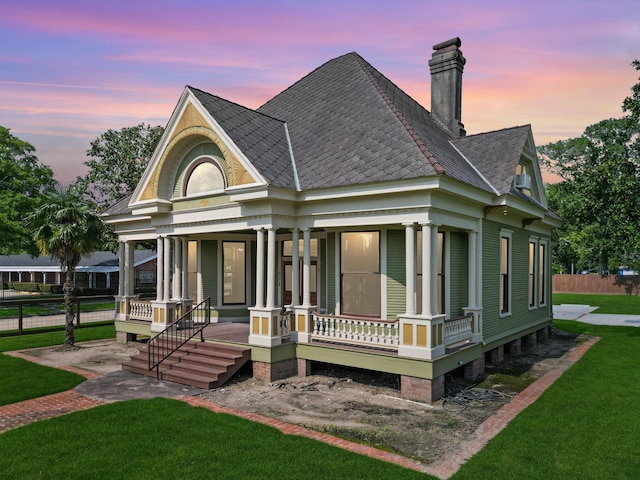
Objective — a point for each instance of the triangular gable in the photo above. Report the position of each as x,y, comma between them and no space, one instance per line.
190,125
497,155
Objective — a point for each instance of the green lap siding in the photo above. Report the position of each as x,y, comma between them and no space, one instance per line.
459,273
396,274
209,269
521,317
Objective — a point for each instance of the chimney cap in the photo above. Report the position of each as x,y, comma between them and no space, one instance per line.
455,41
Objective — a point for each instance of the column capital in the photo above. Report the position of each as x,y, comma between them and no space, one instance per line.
429,223
408,224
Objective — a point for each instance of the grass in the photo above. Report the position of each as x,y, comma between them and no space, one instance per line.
616,304
585,426
162,438
23,380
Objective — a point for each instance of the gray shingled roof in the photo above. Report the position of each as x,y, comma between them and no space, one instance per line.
349,124
261,138
495,154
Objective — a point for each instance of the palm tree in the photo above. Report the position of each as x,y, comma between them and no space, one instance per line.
66,227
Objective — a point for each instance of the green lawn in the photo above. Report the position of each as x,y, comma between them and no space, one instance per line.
585,426
162,438
617,304
22,380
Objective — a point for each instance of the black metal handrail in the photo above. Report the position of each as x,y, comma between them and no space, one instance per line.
178,333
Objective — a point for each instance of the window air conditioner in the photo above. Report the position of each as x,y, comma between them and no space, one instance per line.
523,181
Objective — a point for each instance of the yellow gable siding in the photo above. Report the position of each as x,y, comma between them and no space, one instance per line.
189,128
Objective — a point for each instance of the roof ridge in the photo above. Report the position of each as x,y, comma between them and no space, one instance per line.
236,104
412,133
526,125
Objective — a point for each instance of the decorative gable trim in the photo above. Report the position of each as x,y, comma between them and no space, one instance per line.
189,126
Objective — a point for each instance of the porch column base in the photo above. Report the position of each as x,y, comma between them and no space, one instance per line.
422,389
183,306
543,335
303,323
122,306
421,336
164,314
265,326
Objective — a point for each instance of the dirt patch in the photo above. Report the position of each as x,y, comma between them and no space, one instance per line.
366,407
100,356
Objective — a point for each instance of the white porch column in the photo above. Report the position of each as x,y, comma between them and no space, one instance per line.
426,269
410,268
166,263
306,268
260,268
185,268
433,271
422,335
271,267
471,236
474,285
303,316
127,267
159,268
176,284
121,271
295,267
266,322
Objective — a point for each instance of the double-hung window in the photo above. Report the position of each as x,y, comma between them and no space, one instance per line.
505,272
360,273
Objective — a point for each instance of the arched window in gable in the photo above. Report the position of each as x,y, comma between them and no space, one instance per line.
203,176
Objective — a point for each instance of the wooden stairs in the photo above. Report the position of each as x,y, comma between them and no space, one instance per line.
199,364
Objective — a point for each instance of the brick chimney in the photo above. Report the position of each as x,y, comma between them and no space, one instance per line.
447,64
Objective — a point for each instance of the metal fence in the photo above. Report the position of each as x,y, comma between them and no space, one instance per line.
28,315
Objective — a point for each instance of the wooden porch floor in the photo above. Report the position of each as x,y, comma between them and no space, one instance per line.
228,332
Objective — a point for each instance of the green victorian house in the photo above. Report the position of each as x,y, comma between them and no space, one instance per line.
342,222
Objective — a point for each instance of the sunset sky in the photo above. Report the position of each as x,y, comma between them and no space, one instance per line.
72,69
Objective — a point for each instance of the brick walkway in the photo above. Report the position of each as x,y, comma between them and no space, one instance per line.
22,413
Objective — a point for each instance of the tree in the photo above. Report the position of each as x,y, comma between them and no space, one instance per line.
118,159
22,182
599,198
66,227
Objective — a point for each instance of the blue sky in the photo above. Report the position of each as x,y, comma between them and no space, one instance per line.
73,69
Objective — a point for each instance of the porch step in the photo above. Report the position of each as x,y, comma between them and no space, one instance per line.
199,364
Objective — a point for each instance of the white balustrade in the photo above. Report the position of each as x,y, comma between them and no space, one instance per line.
458,330
355,330
139,310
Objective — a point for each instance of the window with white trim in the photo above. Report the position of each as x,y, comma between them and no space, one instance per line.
533,270
234,276
360,273
203,176
543,282
505,272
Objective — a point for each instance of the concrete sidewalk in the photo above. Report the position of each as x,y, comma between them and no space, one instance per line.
584,313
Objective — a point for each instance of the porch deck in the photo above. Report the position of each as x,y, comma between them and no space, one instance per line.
238,333
228,332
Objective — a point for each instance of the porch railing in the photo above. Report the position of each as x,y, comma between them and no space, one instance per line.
355,330
178,333
458,330
140,310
